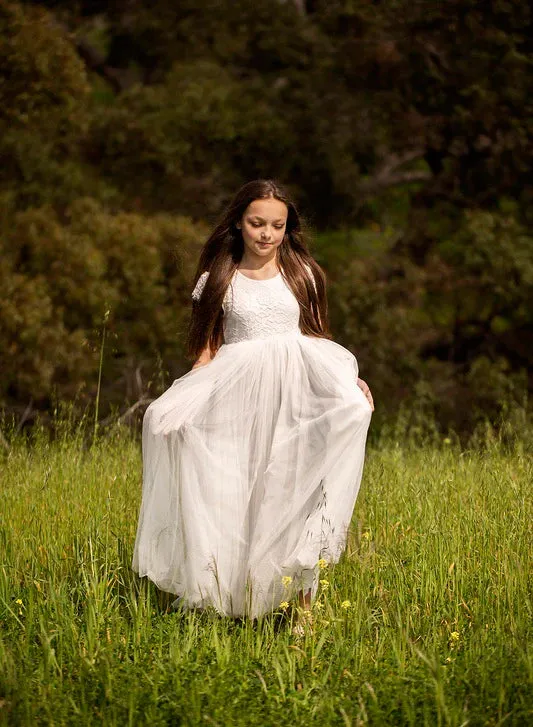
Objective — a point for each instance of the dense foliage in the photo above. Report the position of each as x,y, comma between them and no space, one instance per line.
404,128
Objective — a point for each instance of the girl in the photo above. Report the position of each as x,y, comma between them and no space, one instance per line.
252,461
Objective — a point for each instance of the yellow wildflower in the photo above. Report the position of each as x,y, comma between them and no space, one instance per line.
318,605
455,636
284,605
286,580
324,583
18,602
346,604
322,564
366,535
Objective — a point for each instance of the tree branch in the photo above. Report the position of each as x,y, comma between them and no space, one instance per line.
25,416
125,415
389,174
3,442
94,60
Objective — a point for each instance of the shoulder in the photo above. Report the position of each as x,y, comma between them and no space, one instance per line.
200,284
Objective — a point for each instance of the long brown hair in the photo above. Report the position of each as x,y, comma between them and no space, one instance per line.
222,254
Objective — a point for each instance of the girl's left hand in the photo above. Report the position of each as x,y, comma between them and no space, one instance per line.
366,391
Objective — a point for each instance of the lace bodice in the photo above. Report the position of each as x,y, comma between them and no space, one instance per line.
256,308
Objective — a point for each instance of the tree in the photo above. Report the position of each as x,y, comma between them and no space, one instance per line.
64,275
43,96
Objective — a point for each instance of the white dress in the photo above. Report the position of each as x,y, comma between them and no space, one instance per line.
252,463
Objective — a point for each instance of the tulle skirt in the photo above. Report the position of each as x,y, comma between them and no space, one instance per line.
251,469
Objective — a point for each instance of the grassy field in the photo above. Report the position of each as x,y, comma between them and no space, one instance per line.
427,619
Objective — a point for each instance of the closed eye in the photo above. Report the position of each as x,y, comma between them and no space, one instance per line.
257,223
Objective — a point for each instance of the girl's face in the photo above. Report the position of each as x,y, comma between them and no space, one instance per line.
263,226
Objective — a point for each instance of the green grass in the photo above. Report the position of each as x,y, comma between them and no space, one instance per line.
437,632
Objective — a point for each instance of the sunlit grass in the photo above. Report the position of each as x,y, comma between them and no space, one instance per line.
426,620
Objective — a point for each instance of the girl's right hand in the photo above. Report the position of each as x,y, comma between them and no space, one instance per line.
366,391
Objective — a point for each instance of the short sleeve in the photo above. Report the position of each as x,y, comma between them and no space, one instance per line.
198,288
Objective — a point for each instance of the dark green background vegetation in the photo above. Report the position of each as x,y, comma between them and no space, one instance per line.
404,129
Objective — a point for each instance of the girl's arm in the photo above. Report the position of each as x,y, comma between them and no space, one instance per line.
206,355
204,358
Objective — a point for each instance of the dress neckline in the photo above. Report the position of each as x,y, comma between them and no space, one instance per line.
259,280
